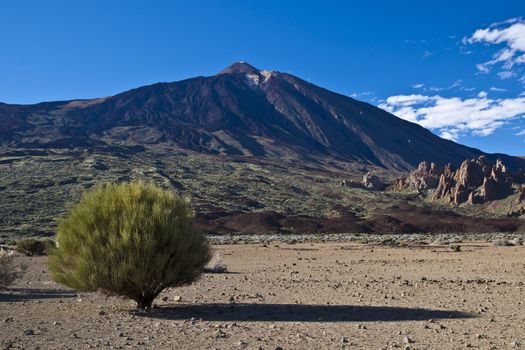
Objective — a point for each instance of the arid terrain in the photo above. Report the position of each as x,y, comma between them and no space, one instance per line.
292,296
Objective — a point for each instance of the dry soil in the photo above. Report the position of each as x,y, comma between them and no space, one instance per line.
297,296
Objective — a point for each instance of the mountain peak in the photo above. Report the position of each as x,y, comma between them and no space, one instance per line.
239,67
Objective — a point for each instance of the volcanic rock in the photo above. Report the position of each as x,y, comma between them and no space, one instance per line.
446,182
372,182
475,182
419,180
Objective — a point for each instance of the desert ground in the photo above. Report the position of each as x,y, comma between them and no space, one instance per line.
292,296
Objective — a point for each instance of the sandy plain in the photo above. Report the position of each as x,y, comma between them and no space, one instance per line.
292,296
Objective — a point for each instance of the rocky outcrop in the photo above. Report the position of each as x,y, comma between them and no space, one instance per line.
446,182
424,177
373,182
369,181
475,182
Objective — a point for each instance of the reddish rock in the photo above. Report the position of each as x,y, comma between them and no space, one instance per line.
475,182
424,177
469,176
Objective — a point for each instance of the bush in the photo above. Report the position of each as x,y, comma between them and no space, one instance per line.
455,248
131,239
32,246
8,273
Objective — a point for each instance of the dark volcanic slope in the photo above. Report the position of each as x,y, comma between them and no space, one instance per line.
240,111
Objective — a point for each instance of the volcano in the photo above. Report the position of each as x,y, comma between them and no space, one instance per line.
241,111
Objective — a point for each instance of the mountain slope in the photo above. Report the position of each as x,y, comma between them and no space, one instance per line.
240,111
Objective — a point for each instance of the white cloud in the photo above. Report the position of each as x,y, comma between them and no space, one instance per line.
364,94
506,74
511,34
450,134
493,88
453,116
521,133
418,86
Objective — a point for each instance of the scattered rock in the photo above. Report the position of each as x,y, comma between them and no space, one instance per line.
502,243
350,184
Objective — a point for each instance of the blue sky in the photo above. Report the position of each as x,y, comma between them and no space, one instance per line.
456,67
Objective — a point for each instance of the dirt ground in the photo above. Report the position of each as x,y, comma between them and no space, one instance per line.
297,296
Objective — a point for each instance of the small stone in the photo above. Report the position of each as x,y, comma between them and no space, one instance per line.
344,340
101,312
165,299
515,344
9,319
177,298
278,348
29,332
241,343
407,340
220,334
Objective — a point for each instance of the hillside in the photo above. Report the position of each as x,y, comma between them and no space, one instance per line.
242,111
257,151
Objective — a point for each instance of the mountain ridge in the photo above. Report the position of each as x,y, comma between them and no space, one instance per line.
241,111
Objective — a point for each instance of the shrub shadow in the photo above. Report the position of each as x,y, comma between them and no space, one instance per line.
299,313
25,294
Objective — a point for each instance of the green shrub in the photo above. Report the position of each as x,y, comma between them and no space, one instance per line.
455,248
131,239
8,272
33,246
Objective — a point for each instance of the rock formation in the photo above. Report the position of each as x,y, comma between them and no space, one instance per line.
475,181
424,177
372,182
